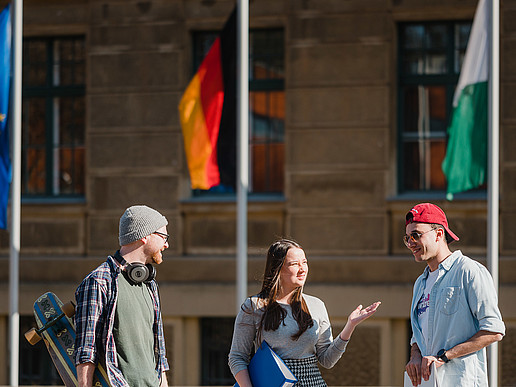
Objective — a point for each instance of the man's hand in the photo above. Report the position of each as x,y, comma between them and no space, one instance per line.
426,365
413,367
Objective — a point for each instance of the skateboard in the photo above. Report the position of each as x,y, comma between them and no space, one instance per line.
56,328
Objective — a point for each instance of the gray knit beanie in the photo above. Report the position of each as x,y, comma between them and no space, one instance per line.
138,222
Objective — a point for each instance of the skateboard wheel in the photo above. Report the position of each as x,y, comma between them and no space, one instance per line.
68,309
32,336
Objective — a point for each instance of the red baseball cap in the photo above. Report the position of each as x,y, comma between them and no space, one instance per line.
430,213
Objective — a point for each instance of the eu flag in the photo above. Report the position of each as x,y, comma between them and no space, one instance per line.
5,76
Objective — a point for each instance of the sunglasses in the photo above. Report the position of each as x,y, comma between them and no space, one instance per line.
414,236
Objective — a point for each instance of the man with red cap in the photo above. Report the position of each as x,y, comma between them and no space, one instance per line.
454,313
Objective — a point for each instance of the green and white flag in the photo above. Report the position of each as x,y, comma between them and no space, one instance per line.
465,164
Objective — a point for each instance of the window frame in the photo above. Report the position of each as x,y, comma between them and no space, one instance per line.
255,85
49,92
449,81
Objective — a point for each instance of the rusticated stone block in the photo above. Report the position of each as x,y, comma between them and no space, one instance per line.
348,27
348,106
339,64
508,133
340,234
52,235
133,110
508,93
134,11
508,356
51,13
119,192
508,186
103,232
336,6
136,150
508,58
341,148
507,232
216,233
136,37
343,191
134,70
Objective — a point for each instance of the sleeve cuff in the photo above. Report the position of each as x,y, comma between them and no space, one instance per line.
83,355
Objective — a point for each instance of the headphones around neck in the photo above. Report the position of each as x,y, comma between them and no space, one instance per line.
136,272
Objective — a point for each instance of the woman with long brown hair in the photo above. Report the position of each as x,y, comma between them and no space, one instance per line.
295,325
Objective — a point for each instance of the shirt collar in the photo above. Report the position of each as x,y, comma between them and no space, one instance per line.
446,264
114,264
450,260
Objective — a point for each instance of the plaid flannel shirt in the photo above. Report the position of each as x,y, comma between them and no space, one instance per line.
96,299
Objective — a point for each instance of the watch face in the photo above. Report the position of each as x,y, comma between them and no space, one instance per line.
442,355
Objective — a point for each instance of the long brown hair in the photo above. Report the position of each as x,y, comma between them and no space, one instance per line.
274,314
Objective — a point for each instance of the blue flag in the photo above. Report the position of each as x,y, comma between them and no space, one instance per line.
5,77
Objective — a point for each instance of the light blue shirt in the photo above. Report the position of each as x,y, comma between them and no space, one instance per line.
463,301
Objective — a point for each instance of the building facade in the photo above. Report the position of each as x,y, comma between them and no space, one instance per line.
349,105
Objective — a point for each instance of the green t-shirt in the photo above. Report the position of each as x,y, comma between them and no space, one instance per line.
134,338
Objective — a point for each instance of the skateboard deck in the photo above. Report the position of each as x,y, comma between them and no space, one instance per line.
57,330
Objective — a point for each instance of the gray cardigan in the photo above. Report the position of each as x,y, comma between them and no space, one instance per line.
317,340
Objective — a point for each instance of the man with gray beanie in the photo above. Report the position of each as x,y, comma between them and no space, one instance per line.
118,316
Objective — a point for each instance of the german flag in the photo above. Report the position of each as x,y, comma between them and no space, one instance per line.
208,114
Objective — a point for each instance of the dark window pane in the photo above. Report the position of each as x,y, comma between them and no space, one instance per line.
413,37
461,39
424,49
216,334
202,44
35,172
35,113
34,149
436,37
267,142
72,120
425,109
35,63
266,55
68,63
71,172
36,366
422,165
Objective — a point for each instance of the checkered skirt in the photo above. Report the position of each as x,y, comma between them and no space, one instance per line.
306,371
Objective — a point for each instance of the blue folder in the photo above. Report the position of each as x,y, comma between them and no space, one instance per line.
266,369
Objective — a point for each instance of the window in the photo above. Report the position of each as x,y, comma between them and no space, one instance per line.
266,106
430,59
36,366
216,334
53,117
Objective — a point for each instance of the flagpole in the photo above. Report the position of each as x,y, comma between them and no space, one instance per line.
493,167
242,147
15,119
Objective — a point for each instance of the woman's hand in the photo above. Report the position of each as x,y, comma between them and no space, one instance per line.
359,314
356,317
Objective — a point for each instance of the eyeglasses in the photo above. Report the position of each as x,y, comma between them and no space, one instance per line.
414,236
163,235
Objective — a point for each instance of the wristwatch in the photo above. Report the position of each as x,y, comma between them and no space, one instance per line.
442,355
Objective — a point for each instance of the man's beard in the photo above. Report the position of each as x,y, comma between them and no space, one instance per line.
157,257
